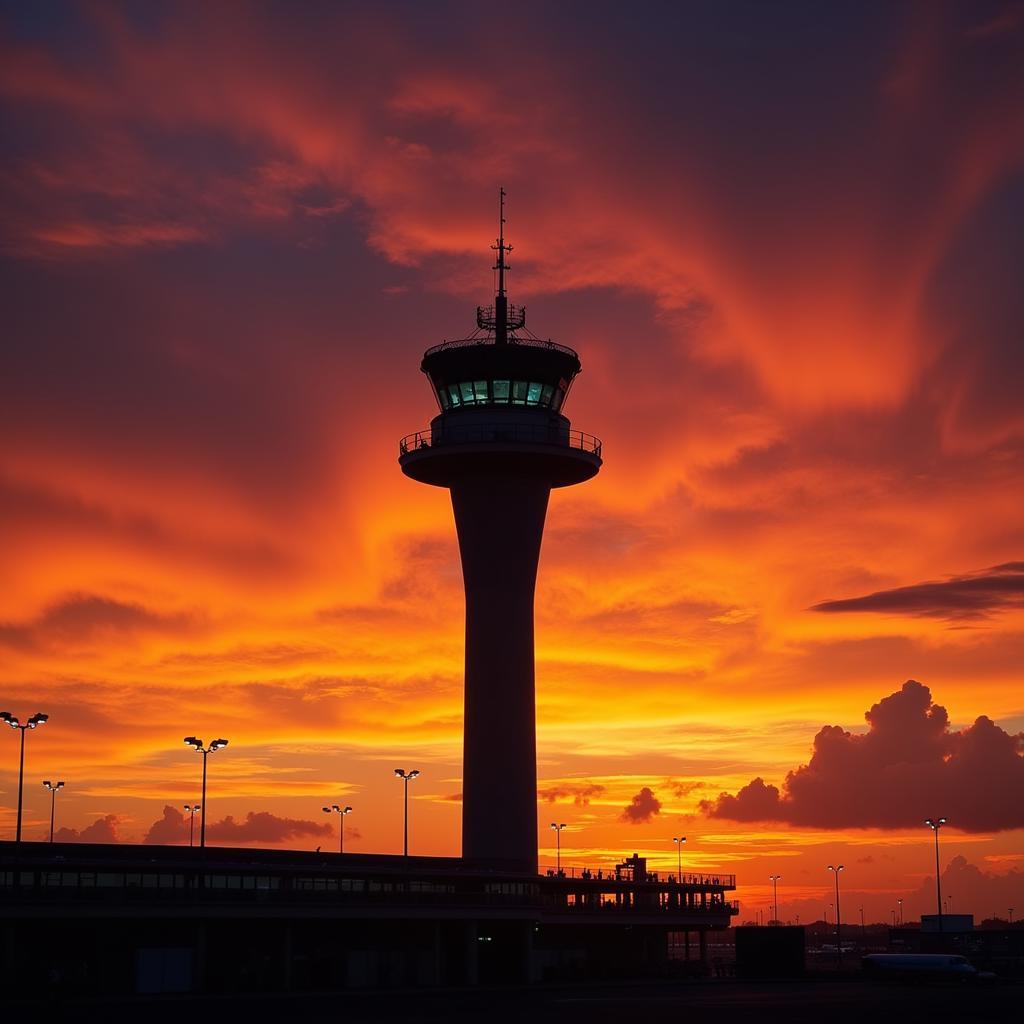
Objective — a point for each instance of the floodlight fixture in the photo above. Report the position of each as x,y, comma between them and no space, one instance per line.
406,778
54,788
217,744
679,840
935,824
15,723
342,811
836,869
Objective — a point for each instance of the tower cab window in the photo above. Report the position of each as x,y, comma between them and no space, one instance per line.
500,392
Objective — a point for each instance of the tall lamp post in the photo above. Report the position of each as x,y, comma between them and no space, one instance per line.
37,719
558,846
899,900
341,812
406,777
775,895
839,917
935,824
679,840
192,808
53,787
192,741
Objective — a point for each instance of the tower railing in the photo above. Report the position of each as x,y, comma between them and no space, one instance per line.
512,340
480,433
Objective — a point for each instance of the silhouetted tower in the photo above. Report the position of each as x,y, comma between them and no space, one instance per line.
499,444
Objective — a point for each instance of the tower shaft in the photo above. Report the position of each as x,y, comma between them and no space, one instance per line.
500,523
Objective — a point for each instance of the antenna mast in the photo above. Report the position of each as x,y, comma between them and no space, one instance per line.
501,318
501,300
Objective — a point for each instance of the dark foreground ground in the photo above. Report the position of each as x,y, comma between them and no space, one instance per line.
824,1001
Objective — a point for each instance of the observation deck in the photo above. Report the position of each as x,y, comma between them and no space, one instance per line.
461,445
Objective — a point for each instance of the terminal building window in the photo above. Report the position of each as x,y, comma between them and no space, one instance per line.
500,392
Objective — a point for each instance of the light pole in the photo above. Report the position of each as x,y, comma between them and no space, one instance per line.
935,824
205,751
192,808
1011,914
52,787
839,917
863,930
341,811
775,894
558,838
406,777
899,900
37,719
679,840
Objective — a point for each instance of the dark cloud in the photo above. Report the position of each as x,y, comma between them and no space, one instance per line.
170,829
102,830
264,827
973,596
642,808
908,765
682,787
79,617
579,792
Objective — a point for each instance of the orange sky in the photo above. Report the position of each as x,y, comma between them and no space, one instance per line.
785,249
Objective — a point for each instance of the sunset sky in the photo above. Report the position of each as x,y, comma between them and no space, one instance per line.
786,240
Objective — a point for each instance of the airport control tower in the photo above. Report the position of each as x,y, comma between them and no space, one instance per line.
499,444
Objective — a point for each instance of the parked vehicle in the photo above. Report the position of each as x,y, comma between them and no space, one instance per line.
947,965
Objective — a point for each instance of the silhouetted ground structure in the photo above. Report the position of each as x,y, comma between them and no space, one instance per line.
773,952
92,919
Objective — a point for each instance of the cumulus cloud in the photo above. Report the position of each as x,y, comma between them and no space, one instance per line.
171,828
579,792
973,596
102,830
642,808
908,765
983,893
264,827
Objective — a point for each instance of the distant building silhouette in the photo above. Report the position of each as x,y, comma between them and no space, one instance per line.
500,443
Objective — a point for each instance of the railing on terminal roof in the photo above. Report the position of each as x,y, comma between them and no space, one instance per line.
512,340
516,432
712,879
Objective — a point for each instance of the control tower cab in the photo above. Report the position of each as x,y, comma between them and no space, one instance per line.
500,443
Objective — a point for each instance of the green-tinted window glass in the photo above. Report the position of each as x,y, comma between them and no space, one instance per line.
533,394
518,391
467,393
442,397
556,404
480,387
453,394
545,394
500,390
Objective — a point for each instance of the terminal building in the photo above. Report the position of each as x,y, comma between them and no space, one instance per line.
148,918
